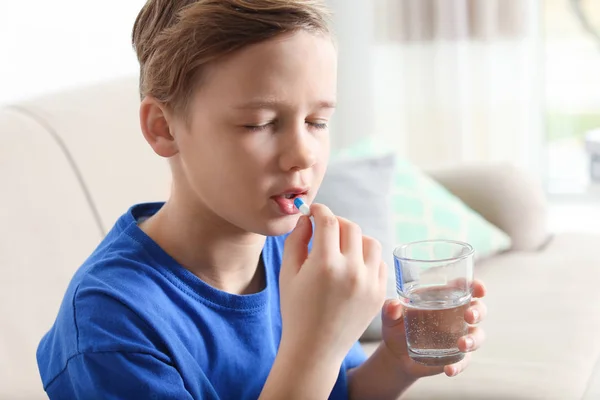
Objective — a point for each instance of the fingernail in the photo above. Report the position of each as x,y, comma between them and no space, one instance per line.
475,315
453,371
389,304
469,342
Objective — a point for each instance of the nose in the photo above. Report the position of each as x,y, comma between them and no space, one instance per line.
299,149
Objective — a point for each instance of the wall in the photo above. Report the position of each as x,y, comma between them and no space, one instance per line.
52,45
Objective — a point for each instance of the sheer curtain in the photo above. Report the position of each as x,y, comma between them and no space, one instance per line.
443,81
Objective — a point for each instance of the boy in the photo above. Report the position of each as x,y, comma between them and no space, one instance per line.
199,297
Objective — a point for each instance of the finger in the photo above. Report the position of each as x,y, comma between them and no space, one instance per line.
479,289
391,313
476,312
372,252
455,369
326,242
472,341
295,249
350,239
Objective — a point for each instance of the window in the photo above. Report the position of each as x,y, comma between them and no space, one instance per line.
572,97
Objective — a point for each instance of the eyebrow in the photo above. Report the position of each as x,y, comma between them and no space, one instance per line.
270,104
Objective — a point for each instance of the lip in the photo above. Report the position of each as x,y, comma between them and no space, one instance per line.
296,191
285,206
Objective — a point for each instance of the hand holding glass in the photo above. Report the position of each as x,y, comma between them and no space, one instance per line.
434,283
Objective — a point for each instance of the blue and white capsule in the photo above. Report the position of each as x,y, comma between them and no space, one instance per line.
302,206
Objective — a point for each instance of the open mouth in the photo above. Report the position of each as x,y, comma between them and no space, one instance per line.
293,195
286,200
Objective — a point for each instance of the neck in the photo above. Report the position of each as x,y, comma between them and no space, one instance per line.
214,250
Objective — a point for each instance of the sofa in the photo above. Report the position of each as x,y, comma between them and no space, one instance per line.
71,163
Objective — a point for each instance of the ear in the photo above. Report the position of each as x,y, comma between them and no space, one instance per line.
154,121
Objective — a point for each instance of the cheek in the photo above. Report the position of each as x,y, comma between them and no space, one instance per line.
256,152
246,163
206,157
319,171
324,152
325,148
210,145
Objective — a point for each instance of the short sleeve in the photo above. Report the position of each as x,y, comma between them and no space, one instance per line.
355,357
119,375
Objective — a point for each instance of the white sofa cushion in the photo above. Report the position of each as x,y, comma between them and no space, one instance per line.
100,127
506,196
47,229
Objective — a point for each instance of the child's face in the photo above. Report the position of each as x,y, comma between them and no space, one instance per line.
258,130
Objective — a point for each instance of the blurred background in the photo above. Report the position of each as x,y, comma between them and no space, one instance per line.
448,85
442,81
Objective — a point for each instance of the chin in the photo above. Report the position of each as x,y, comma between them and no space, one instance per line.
280,226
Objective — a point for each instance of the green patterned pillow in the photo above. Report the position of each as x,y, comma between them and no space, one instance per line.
423,209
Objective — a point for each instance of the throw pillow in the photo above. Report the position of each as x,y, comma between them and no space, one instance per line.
423,209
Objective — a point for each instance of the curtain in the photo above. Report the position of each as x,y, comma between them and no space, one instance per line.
443,82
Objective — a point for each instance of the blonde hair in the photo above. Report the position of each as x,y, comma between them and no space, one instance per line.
175,39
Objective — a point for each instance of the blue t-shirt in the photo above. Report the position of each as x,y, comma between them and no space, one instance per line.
134,324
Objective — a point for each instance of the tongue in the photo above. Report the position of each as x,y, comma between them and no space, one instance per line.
286,205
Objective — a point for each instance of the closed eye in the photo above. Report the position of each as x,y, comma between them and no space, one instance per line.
258,128
318,125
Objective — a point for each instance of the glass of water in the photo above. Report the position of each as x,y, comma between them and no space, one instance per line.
434,280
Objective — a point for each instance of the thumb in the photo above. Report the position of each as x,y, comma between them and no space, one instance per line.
295,249
391,313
